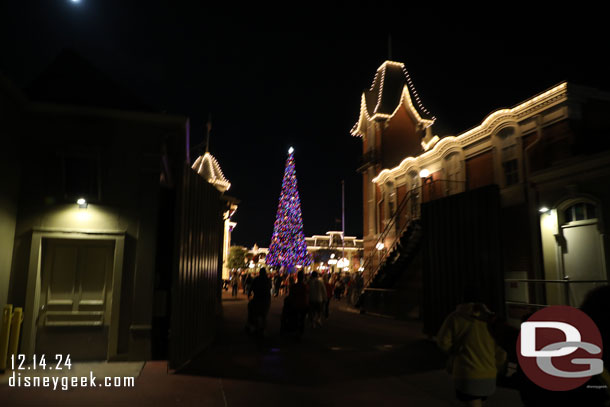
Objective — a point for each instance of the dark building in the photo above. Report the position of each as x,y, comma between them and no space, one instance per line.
103,224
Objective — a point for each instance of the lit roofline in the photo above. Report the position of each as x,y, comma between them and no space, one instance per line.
485,123
214,168
405,97
408,88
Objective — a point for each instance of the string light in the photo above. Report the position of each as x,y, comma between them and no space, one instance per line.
288,245
405,98
479,132
213,174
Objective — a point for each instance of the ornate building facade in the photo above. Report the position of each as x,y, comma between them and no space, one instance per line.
529,185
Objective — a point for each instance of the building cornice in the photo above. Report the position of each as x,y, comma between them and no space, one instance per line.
526,109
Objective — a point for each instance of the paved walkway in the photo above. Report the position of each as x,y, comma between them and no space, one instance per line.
353,360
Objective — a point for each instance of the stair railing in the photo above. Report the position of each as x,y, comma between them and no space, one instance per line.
412,197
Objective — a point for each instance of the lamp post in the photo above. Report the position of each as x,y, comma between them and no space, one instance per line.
380,246
331,262
424,174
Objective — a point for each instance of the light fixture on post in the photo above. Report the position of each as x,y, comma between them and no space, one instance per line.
379,246
332,262
82,203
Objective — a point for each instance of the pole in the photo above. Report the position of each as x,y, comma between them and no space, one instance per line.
343,217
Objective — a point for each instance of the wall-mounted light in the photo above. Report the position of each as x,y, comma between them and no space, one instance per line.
544,209
380,246
82,202
424,173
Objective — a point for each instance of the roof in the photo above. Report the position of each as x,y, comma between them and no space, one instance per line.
72,80
391,88
207,166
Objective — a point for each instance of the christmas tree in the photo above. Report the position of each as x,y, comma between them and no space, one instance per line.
288,247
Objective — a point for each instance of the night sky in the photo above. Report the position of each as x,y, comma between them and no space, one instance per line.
269,88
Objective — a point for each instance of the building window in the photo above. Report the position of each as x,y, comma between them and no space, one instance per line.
509,156
452,171
511,172
580,211
414,180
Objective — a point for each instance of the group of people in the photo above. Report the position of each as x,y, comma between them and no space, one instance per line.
343,285
307,297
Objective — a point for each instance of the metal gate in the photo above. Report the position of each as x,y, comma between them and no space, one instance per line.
196,286
461,247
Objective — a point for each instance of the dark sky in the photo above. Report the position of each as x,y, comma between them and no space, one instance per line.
269,88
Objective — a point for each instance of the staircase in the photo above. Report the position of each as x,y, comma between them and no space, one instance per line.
399,258
402,235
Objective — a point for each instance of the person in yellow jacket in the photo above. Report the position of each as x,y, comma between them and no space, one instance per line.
474,356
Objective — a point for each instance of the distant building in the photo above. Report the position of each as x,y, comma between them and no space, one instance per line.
514,207
322,248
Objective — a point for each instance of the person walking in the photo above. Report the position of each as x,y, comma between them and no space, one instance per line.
243,282
277,283
474,355
299,302
317,296
249,280
329,294
258,307
234,284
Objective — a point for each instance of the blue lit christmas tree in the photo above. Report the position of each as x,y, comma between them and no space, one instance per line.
288,247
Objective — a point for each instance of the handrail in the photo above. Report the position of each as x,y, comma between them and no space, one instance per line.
566,281
566,288
413,194
381,289
386,231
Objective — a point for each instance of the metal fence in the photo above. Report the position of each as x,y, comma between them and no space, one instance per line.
536,293
196,290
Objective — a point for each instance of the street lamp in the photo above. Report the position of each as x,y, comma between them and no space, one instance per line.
343,263
379,246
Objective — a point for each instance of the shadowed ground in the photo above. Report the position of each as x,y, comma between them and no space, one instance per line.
353,360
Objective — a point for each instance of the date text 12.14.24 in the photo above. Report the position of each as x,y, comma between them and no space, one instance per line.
60,362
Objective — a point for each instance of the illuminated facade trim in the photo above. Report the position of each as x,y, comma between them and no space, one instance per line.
406,100
485,129
207,166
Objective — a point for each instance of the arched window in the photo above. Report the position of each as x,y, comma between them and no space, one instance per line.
579,211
